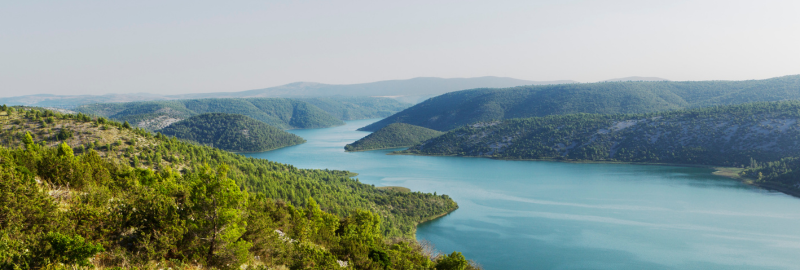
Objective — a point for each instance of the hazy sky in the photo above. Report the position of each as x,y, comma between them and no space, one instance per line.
170,47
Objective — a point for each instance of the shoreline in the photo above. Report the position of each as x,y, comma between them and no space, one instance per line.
728,172
377,149
429,219
253,152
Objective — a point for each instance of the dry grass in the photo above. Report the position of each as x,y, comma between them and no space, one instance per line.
395,188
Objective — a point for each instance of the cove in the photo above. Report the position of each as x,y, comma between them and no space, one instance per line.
553,215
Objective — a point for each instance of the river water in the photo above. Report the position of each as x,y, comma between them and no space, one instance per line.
553,215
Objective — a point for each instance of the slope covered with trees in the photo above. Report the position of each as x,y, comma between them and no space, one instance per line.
232,132
393,136
154,115
752,135
354,108
80,191
461,108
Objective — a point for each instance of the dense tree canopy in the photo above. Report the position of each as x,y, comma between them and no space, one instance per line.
231,132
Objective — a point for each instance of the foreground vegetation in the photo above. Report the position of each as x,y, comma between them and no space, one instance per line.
232,132
761,137
456,109
393,136
80,191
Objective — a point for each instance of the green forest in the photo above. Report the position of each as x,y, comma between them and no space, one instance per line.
456,109
278,112
761,137
355,108
78,191
232,132
154,115
393,136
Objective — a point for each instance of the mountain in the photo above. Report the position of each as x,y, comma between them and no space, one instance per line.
277,112
637,79
78,192
393,136
460,108
232,132
409,91
72,101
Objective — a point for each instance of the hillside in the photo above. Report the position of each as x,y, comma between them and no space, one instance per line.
393,136
232,132
461,108
91,192
733,136
277,112
355,108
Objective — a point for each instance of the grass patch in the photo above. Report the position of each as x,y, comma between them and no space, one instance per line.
728,172
395,188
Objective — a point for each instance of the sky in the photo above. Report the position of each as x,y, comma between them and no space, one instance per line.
174,47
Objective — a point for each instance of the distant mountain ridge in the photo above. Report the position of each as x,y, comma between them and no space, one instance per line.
637,79
410,90
455,109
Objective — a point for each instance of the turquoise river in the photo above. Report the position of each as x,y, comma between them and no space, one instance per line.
554,215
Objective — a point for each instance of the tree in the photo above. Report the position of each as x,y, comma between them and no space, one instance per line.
65,151
217,220
66,249
454,261
28,140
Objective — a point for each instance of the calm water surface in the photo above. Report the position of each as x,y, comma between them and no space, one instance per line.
551,215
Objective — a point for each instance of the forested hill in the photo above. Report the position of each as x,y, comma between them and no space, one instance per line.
277,112
720,135
393,136
742,135
232,132
354,108
90,192
460,108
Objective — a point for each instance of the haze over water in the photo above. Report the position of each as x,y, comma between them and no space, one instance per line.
553,215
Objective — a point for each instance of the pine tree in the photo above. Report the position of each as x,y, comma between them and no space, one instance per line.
217,218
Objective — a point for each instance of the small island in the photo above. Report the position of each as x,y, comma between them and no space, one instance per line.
393,136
